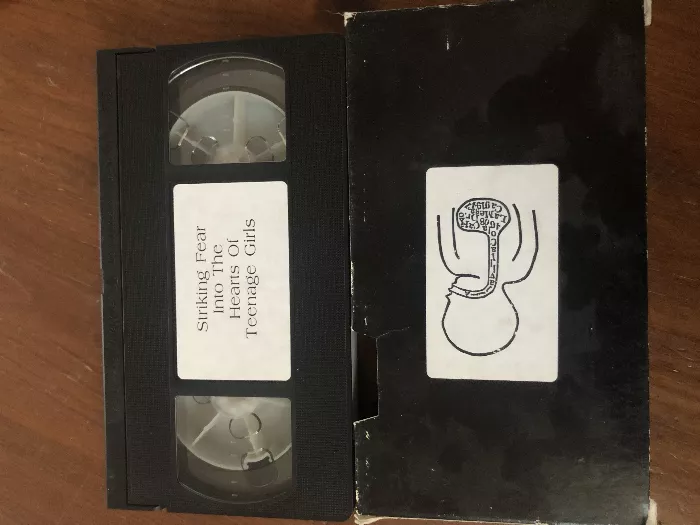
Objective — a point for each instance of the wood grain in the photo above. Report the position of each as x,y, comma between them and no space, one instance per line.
51,428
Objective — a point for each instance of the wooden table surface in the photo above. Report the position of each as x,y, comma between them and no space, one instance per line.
51,427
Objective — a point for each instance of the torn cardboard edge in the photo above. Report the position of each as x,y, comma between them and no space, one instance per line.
364,519
647,13
349,15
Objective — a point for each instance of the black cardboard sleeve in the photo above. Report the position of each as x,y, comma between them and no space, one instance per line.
506,83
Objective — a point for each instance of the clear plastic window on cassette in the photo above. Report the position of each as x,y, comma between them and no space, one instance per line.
225,110
234,448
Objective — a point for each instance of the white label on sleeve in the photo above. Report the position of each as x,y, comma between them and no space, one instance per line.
232,281
492,272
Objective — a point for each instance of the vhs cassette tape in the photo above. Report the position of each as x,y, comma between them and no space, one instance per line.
224,233
493,191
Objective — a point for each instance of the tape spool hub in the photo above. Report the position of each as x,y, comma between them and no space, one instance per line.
227,110
237,446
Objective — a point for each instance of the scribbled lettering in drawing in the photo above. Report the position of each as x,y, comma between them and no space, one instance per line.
480,319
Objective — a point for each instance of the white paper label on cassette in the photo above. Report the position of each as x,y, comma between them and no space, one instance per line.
492,271
232,281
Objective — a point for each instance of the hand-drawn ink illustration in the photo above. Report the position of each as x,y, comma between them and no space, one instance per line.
477,300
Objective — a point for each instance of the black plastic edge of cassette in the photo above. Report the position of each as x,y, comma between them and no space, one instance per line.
136,181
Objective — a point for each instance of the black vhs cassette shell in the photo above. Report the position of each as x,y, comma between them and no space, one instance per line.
156,153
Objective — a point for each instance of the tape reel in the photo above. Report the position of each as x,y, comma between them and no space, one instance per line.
227,110
234,448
